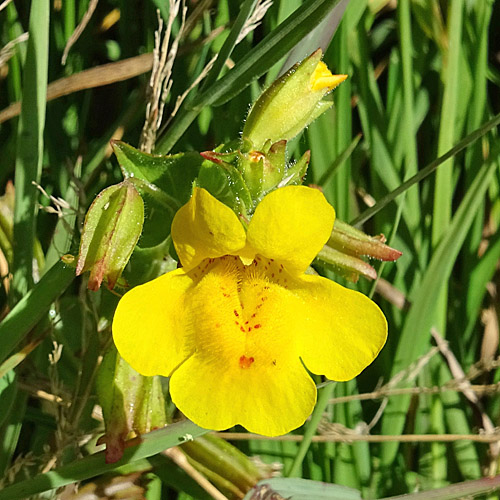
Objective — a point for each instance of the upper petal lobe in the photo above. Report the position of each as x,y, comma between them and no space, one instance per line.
291,225
205,228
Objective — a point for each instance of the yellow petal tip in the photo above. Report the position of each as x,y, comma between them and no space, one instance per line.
322,78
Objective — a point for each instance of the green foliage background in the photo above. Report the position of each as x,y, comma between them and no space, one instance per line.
423,75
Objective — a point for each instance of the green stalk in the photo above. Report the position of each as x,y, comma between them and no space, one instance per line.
30,147
324,397
425,172
455,491
33,306
408,122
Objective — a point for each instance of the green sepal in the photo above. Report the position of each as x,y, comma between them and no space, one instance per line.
132,404
172,174
347,266
295,173
352,241
223,181
112,227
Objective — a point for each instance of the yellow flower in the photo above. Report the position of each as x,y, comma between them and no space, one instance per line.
234,327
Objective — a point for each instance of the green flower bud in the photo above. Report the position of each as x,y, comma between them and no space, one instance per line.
291,103
111,230
132,404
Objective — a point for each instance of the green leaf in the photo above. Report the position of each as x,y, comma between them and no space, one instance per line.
30,146
225,52
150,444
172,174
8,392
224,182
302,489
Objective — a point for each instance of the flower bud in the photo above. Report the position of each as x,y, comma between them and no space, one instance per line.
132,404
111,230
291,103
347,244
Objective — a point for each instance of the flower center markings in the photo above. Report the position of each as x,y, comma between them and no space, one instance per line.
234,305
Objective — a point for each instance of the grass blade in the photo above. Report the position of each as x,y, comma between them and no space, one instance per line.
323,399
425,172
245,11
149,445
415,335
30,146
31,308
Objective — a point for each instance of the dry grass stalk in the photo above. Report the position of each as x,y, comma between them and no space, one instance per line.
4,4
254,20
350,436
179,458
99,76
79,30
465,387
8,50
160,82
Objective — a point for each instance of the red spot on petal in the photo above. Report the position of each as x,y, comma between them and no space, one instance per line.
242,329
246,362
236,313
257,326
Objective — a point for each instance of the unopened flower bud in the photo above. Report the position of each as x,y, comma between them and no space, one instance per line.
291,103
111,230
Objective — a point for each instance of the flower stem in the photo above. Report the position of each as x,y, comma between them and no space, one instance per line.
324,396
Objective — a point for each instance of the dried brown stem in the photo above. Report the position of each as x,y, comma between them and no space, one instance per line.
353,437
79,30
99,76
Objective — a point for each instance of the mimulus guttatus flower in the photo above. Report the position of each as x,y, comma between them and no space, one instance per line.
234,327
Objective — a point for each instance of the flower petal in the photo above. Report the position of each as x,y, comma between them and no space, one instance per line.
269,400
149,323
246,366
205,228
345,329
291,225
